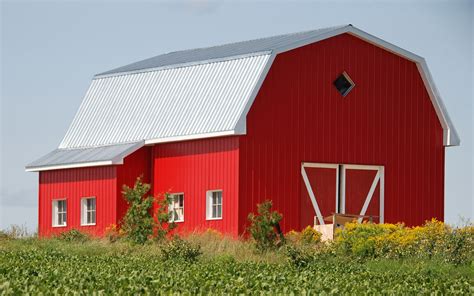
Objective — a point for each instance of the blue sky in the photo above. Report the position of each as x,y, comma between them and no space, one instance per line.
51,50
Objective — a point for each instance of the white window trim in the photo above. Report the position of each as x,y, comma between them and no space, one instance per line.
209,205
172,195
54,213
83,211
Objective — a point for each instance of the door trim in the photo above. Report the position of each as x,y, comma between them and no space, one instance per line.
341,187
379,177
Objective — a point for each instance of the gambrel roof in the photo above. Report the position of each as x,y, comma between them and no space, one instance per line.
191,94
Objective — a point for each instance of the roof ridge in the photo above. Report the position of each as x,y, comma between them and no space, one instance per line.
256,39
185,55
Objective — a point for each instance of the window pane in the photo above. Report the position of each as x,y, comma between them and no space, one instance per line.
219,211
214,212
93,217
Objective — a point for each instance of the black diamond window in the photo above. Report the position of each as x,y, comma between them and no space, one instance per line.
343,84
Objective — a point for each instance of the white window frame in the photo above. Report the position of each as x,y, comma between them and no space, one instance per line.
209,204
171,207
55,212
84,211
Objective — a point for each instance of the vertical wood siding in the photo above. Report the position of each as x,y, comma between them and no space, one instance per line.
387,119
135,165
72,185
193,167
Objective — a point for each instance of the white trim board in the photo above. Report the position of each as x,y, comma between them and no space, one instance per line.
340,182
310,190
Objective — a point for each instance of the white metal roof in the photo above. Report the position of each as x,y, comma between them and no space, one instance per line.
84,157
166,103
201,93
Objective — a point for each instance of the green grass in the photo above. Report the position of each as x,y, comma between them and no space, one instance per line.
227,266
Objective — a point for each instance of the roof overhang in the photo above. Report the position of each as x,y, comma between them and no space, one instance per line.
84,157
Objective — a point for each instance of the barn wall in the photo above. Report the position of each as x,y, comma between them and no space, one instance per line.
193,167
387,119
74,184
135,165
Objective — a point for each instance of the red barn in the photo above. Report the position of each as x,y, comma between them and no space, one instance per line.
330,120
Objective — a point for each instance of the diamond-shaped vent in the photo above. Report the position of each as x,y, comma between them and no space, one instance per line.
344,84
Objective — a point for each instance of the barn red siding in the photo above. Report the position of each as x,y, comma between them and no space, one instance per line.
72,185
387,119
135,165
193,167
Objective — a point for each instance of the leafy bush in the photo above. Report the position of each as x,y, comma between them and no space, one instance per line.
459,245
138,222
163,216
74,235
299,257
178,249
265,227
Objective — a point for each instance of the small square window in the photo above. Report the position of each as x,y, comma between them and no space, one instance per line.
214,204
344,84
176,208
59,212
88,211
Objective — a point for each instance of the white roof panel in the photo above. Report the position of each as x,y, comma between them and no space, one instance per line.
165,103
82,157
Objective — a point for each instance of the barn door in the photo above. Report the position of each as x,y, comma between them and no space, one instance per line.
362,191
339,188
321,181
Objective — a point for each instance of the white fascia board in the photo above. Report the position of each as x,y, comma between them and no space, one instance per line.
71,166
450,136
191,137
241,125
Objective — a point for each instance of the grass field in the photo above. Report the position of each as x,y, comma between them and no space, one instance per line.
33,266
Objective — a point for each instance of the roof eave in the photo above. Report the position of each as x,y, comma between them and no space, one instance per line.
71,166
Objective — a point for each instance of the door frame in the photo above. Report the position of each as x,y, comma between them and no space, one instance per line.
341,187
379,178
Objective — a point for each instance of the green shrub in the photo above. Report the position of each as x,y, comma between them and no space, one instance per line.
138,223
265,227
178,249
299,257
163,216
74,235
459,245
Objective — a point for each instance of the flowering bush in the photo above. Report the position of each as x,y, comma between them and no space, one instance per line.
309,235
433,239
